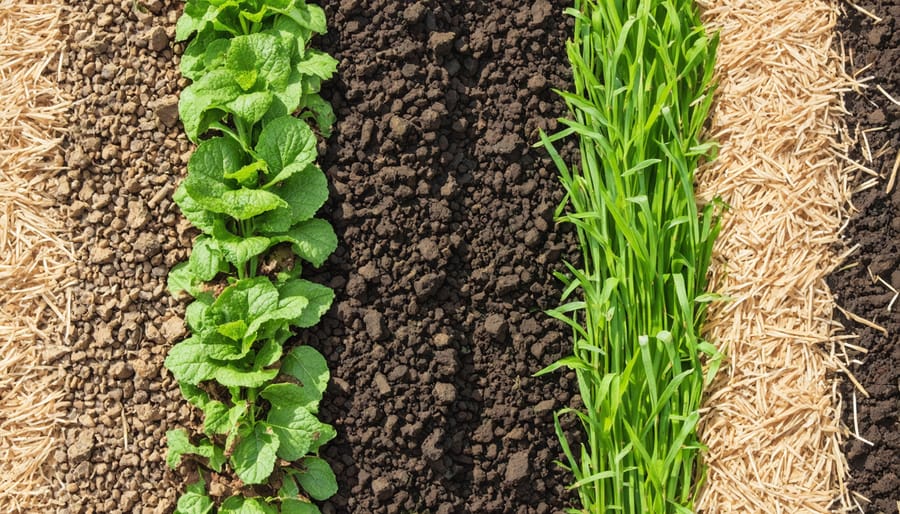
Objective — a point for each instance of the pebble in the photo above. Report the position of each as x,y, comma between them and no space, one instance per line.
157,39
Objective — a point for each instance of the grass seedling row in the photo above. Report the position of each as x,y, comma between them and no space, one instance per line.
643,89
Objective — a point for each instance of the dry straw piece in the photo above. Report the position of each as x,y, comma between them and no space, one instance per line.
772,418
33,307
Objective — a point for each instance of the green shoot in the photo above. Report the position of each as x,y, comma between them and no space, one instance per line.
643,90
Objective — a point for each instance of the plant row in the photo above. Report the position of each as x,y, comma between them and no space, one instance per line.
643,88
252,189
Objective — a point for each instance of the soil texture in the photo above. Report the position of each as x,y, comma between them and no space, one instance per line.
125,151
876,228
445,216
444,213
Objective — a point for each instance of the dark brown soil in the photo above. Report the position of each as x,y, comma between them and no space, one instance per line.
876,228
444,213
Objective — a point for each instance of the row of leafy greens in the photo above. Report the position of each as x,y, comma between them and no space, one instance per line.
253,186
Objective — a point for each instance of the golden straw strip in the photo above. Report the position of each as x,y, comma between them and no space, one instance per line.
772,417
33,257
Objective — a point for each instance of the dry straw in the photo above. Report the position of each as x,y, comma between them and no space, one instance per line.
32,255
772,420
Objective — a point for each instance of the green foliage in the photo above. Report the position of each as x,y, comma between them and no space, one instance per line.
250,61
252,185
642,72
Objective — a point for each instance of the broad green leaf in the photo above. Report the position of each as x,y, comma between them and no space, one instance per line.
304,193
321,111
214,158
326,433
182,279
221,348
195,500
188,362
319,296
246,299
306,15
269,354
285,173
232,377
280,4
251,107
219,419
235,330
195,312
178,444
239,250
296,428
286,395
205,52
215,416
198,216
197,14
309,367
284,142
248,176
241,505
207,186
246,78
289,488
287,100
298,507
317,63
205,260
210,92
238,308
314,240
254,457
316,478
193,394
256,15
293,36
289,309
258,61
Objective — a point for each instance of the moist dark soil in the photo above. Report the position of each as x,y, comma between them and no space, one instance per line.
876,228
444,212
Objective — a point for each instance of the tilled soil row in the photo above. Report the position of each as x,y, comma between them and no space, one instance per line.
445,217
876,228
444,214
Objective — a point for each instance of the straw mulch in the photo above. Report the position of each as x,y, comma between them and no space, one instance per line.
772,419
32,257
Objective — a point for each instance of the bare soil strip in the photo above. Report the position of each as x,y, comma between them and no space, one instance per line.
867,286
772,419
33,305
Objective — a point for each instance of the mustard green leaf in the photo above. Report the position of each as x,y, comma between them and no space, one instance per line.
319,296
309,367
316,478
188,362
233,377
254,457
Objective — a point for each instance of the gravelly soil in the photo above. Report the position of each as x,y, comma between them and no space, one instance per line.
876,228
125,154
447,244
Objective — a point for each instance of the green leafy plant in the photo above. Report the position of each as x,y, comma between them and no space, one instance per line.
642,73
253,185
